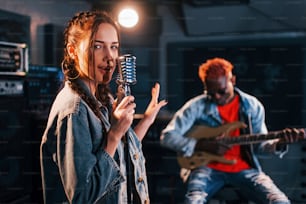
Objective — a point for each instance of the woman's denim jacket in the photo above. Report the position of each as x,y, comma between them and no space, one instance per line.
202,111
75,168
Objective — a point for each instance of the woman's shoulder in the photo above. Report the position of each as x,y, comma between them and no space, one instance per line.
67,101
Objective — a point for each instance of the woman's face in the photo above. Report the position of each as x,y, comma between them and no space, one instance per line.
105,52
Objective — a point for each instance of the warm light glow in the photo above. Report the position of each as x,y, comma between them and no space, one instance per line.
128,17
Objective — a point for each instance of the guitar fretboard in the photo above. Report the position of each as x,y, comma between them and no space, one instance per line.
252,138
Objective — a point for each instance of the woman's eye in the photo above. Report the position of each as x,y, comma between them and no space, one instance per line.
115,47
112,47
97,46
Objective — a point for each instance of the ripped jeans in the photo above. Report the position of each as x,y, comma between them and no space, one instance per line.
255,185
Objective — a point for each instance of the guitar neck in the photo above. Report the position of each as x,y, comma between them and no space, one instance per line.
253,138
202,158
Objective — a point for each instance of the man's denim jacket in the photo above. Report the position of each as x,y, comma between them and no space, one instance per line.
75,168
201,110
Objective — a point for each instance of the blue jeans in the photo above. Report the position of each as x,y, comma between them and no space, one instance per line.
255,185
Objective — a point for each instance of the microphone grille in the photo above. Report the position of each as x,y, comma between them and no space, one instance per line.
127,69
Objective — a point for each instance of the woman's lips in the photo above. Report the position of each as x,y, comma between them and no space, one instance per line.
105,69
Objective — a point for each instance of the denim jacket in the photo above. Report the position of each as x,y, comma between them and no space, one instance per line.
200,110
75,168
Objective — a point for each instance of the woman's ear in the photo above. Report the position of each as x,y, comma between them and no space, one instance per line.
71,51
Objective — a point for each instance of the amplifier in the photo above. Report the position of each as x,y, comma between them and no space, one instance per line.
12,85
13,58
42,85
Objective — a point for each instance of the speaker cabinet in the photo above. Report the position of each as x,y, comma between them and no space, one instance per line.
15,147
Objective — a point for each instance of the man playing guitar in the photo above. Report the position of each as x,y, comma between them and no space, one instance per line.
222,103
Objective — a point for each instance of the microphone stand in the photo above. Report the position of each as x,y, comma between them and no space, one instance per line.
129,176
127,77
128,172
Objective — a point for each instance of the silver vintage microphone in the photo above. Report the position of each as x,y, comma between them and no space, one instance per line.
127,73
127,76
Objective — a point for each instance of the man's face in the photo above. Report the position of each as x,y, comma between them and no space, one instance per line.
221,89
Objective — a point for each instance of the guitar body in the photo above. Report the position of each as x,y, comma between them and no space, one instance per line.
201,131
203,158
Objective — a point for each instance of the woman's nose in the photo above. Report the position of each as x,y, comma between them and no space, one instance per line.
108,56
107,52
110,63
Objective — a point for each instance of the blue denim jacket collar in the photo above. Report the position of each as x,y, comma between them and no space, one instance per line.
211,108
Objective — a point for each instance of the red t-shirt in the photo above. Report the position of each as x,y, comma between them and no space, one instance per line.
230,113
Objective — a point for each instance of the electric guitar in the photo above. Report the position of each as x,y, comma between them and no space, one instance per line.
201,158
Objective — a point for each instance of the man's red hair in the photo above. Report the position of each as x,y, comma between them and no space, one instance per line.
214,68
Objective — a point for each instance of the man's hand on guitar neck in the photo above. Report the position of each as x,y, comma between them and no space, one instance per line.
291,135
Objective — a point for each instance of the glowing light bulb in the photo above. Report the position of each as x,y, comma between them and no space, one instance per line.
128,18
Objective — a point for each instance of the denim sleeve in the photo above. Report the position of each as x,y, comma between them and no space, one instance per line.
257,116
259,126
173,136
86,175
